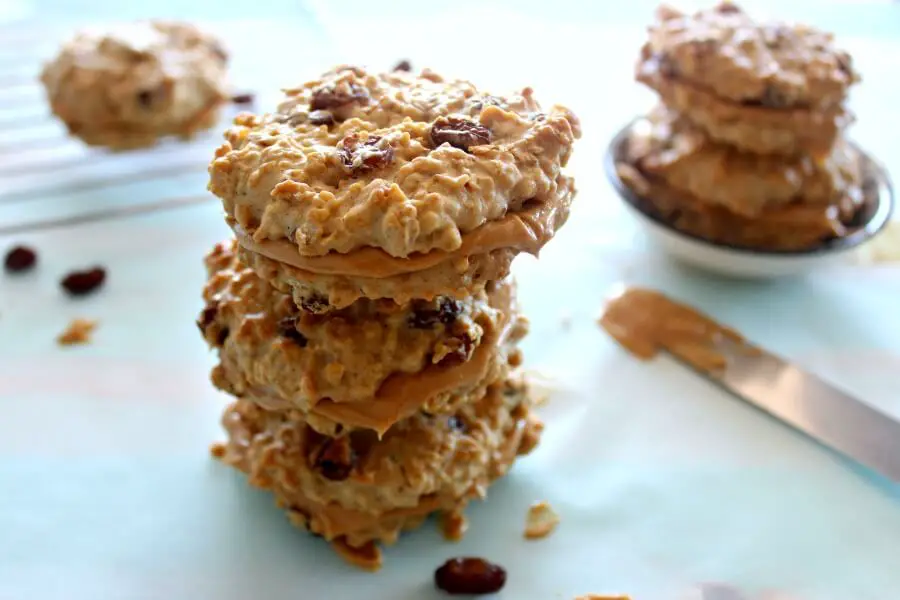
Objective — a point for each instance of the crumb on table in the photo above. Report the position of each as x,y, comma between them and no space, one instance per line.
78,332
217,450
453,526
541,521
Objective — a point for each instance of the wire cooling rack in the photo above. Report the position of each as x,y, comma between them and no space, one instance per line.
51,180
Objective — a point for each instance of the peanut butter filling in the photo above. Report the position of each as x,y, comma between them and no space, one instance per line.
646,322
526,230
403,394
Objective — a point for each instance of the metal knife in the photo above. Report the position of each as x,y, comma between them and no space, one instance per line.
812,406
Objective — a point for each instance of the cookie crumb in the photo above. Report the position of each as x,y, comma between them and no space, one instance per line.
217,450
541,521
366,557
78,332
20,259
453,526
403,65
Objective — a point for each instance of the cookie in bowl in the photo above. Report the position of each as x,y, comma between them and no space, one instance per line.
728,196
782,239
743,167
767,87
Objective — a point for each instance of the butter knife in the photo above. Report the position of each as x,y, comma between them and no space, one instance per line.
811,405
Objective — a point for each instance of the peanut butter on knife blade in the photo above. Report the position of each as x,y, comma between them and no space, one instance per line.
646,322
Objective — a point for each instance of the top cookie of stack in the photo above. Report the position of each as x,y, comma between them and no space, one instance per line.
393,185
766,88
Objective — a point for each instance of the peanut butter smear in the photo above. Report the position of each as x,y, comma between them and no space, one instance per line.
646,322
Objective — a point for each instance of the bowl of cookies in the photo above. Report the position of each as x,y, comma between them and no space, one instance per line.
744,168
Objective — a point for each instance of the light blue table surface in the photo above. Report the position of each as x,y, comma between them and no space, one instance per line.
661,480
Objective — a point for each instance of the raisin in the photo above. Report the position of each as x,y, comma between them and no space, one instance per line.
245,98
403,65
844,63
287,328
145,98
314,304
470,576
335,459
362,157
771,97
20,258
727,8
321,117
80,283
206,324
362,441
457,424
207,317
459,133
329,97
422,319
665,64
447,312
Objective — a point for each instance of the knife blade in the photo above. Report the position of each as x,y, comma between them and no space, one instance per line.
811,405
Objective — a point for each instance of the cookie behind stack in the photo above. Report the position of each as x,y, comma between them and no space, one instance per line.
747,146
364,314
133,84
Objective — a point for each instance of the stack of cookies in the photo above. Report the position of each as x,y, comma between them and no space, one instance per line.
747,146
363,313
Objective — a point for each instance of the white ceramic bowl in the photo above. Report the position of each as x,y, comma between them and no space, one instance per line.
746,263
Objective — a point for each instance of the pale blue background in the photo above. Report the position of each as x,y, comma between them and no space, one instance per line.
662,481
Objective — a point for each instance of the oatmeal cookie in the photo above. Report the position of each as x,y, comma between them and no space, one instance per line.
337,280
788,227
680,155
355,489
405,164
128,86
367,365
765,87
